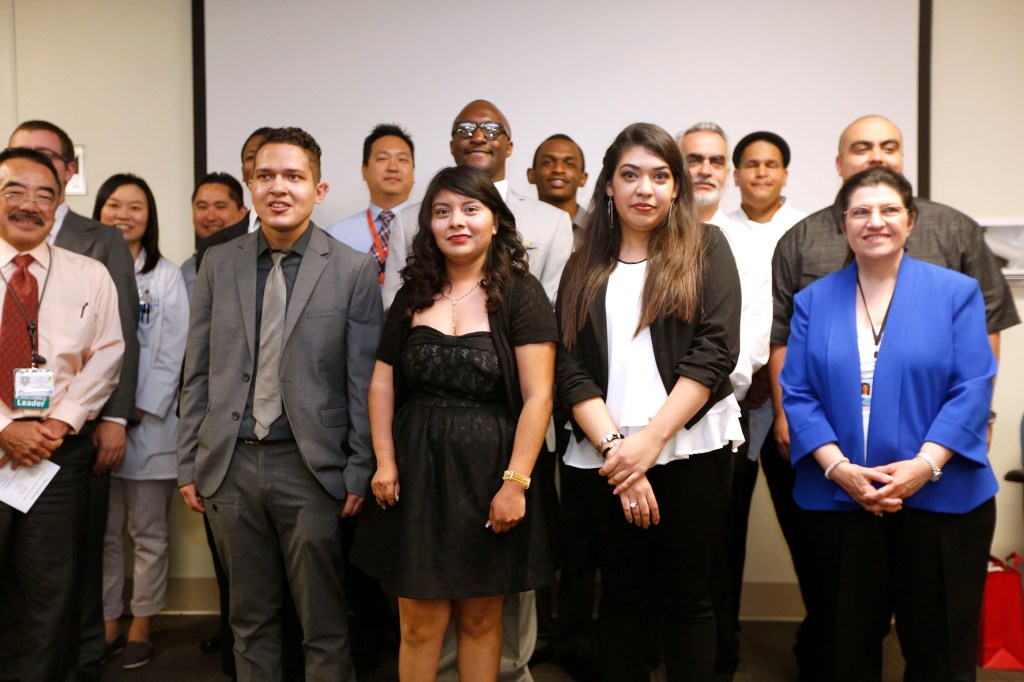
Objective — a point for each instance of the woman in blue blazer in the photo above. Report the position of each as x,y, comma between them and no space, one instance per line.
887,387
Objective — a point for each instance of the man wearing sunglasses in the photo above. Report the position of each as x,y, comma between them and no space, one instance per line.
482,138
105,244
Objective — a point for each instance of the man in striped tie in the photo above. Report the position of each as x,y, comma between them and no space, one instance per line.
388,167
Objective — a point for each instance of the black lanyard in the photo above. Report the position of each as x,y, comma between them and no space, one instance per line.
881,330
33,324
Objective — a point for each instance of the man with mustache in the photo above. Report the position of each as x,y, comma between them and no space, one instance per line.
388,166
105,244
60,334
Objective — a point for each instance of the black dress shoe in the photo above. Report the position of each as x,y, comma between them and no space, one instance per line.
211,645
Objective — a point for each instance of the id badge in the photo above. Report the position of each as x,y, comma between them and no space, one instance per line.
33,388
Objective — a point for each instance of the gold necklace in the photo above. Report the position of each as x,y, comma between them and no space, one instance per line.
454,301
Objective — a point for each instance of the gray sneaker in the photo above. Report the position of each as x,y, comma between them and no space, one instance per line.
136,655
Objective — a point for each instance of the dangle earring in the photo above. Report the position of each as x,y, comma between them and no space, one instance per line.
671,213
611,213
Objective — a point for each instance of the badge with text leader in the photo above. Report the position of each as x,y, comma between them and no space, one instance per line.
33,388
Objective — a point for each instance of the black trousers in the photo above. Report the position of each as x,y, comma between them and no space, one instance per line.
731,554
926,568
665,568
44,549
810,646
92,635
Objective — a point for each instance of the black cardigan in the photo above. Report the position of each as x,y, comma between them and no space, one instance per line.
524,316
704,350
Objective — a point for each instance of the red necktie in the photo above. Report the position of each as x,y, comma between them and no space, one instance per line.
15,345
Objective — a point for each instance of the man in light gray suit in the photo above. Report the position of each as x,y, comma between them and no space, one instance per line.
482,137
274,439
103,243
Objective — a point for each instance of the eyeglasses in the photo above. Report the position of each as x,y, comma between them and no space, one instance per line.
863,213
489,129
53,156
16,197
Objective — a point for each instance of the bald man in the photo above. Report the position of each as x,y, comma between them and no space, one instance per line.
814,248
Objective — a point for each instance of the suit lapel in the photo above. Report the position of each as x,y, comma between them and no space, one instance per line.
314,260
599,322
245,276
845,389
70,235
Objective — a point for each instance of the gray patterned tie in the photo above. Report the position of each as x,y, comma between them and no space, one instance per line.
266,402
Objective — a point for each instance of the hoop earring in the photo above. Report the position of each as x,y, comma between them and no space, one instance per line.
611,213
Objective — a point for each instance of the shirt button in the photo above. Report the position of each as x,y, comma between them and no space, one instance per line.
234,416
245,377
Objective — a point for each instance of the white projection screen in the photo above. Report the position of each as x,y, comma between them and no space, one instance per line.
337,68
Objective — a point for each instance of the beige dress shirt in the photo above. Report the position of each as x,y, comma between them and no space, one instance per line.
79,333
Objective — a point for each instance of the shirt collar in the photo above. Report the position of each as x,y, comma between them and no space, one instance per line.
502,187
41,253
298,248
58,221
375,209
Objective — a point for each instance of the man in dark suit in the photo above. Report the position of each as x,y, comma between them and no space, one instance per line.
251,221
105,244
274,441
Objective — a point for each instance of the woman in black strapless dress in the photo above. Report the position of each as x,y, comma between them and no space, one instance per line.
459,403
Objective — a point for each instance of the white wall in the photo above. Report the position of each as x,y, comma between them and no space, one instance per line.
117,76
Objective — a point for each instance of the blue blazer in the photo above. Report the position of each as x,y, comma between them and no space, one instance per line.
933,382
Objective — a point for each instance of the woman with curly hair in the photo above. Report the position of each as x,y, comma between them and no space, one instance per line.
459,403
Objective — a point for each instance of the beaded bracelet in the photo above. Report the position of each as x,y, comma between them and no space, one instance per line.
509,475
833,465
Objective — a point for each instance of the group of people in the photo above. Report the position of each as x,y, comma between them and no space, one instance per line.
453,398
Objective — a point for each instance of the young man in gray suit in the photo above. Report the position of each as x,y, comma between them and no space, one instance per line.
274,439
103,243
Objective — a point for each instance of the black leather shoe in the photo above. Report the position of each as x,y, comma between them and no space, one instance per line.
211,645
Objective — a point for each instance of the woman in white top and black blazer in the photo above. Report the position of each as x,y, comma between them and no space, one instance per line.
649,314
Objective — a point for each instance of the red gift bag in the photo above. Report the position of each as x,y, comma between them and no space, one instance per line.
1001,630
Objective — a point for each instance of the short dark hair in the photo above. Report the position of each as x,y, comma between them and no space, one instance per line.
32,155
386,130
151,239
259,132
233,186
874,176
298,137
560,136
761,136
67,148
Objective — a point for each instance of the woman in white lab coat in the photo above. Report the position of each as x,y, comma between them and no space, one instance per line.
142,487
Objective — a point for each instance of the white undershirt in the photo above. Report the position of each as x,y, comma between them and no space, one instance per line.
635,389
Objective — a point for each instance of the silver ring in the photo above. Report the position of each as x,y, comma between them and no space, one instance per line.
632,505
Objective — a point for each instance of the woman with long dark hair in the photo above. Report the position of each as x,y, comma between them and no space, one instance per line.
141,488
649,317
459,403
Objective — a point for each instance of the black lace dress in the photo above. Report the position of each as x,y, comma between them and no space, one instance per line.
453,431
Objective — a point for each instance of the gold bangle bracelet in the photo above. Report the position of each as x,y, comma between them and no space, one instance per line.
509,475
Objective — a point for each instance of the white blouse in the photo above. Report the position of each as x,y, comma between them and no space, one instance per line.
635,390
866,350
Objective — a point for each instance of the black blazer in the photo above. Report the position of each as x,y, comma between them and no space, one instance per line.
220,237
704,350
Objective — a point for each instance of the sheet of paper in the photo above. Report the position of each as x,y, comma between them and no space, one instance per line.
21,487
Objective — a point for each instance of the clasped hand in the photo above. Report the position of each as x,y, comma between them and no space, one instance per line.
26,443
629,461
899,480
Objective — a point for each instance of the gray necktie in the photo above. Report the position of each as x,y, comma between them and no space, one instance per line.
266,402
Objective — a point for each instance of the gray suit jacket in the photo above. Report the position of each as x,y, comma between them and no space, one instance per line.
546,231
105,244
331,332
